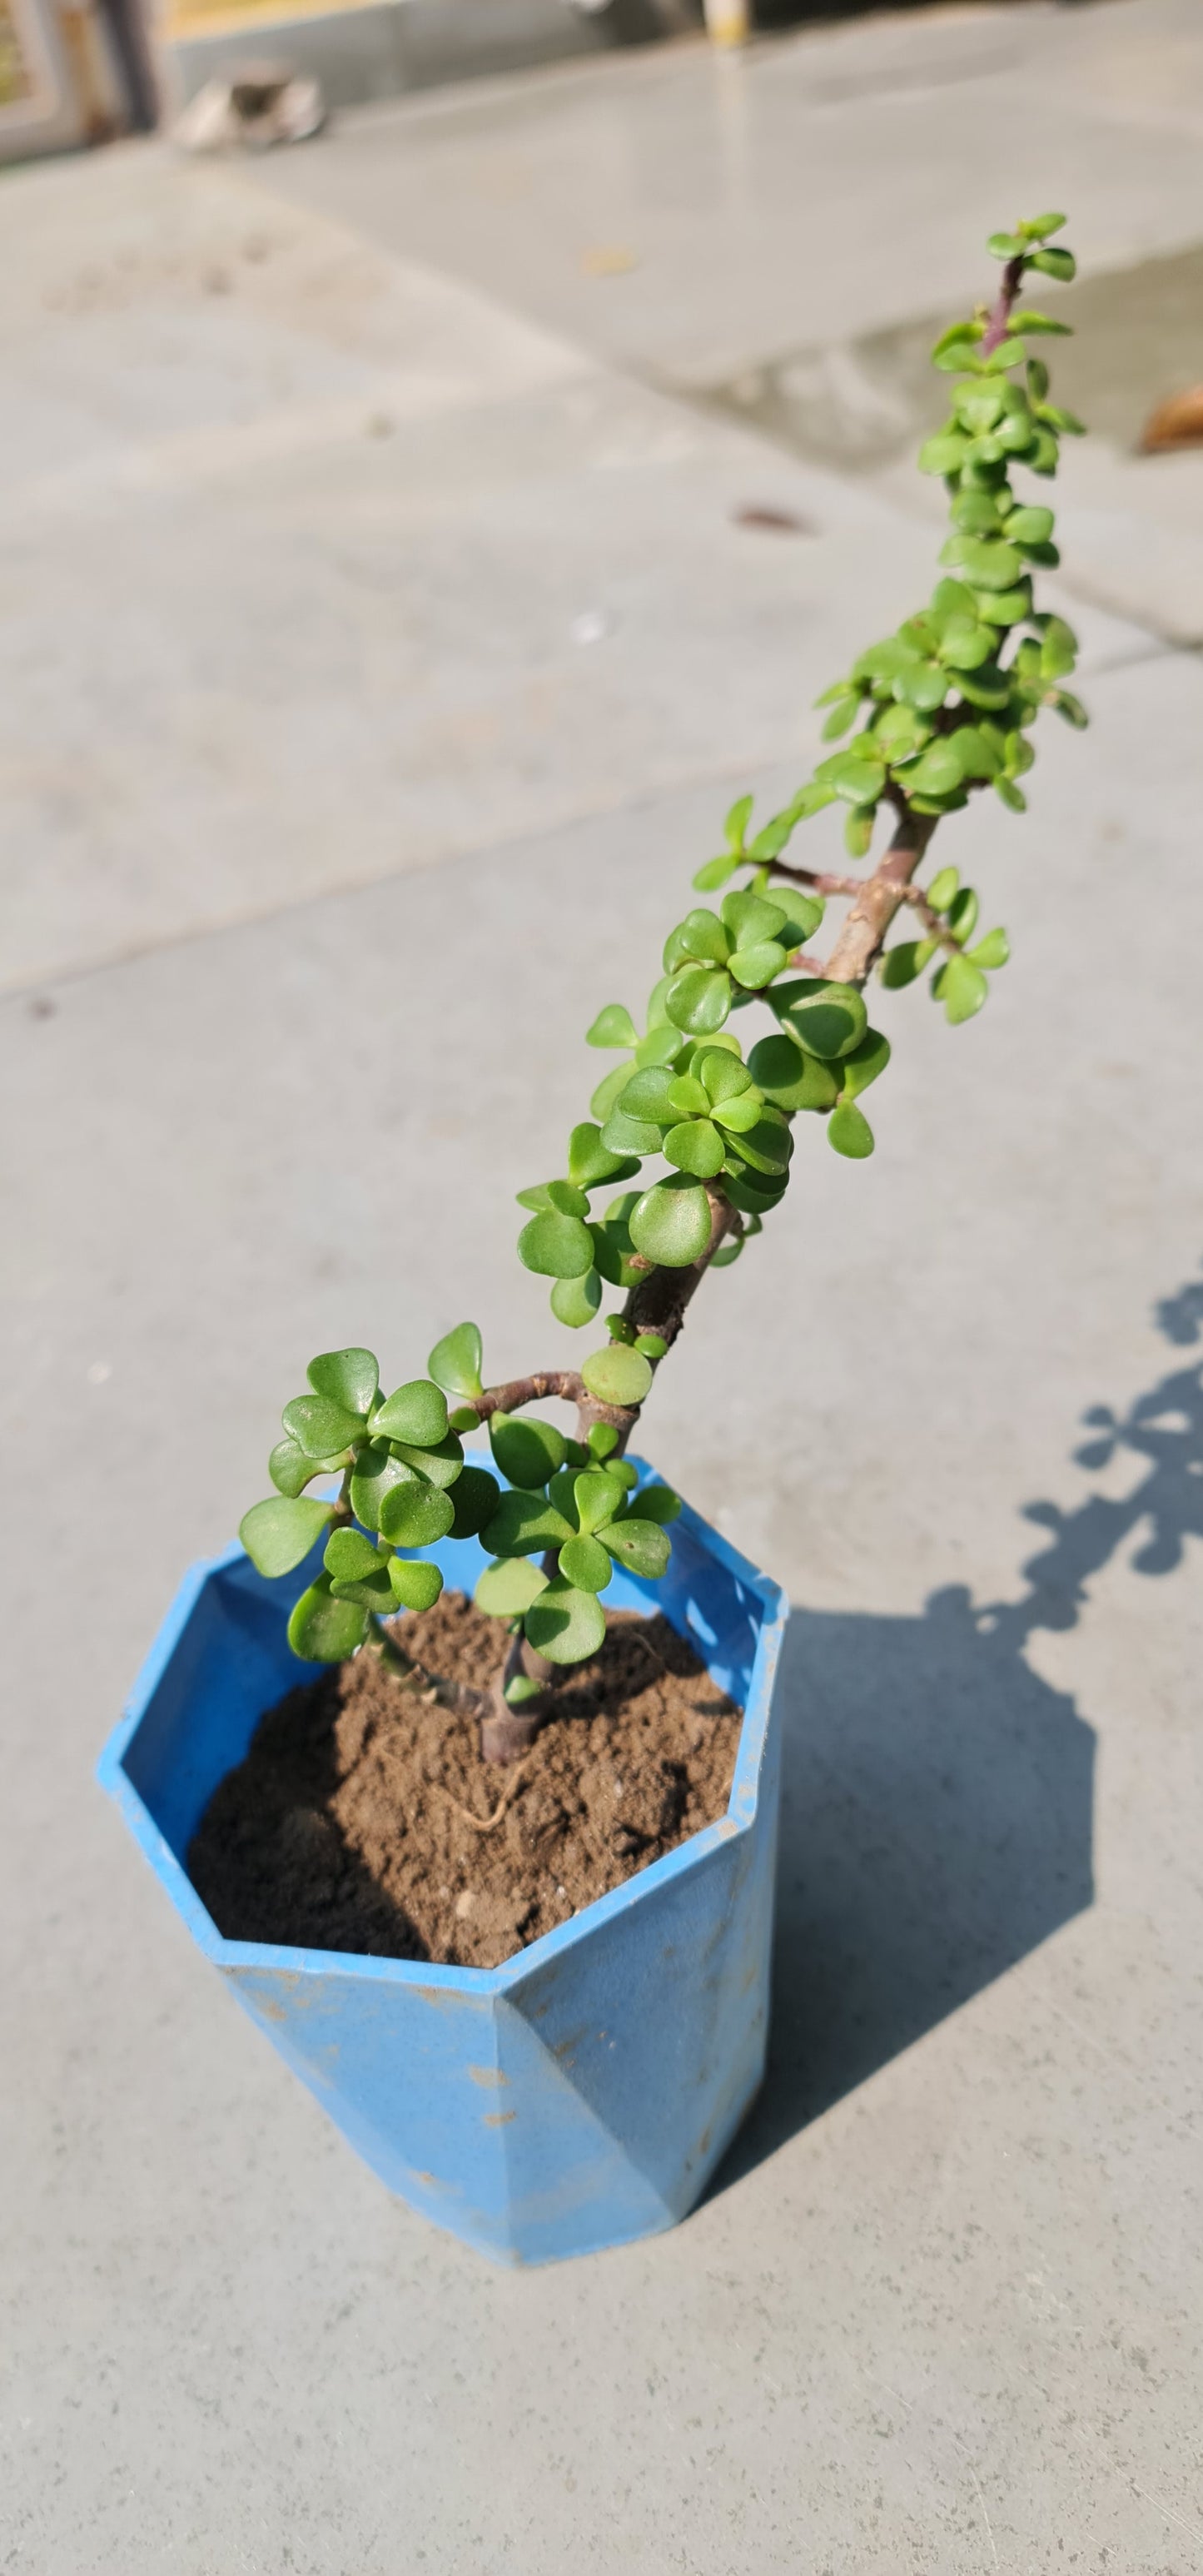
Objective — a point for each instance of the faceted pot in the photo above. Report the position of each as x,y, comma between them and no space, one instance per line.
578,2096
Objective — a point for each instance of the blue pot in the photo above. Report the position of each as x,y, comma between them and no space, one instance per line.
578,2096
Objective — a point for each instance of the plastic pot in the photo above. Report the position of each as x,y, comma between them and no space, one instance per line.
578,2096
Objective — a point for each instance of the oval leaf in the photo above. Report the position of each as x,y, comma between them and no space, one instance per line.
527,1450
670,1224
827,1019
522,1523
350,1556
416,1515
695,1146
698,1000
849,1131
585,1564
289,1468
789,1078
455,1362
323,1630
376,1471
473,1501
557,1246
416,1414
415,1583
613,1027
565,1624
278,1534
643,1546
508,1588
620,1375
349,1378
576,1301
320,1427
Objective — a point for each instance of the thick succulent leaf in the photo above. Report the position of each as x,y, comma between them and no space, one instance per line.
507,1588
415,1583
576,1301
588,1160
279,1533
416,1414
557,1246
864,1064
583,1562
440,1466
323,1630
618,1375
349,1378
655,1503
643,1546
455,1362
788,1077
289,1468
565,1624
526,1449
319,1426
350,1556
828,1019
849,1131
377,1469
523,1525
416,1515
699,999
597,1496
670,1224
473,1501
613,1027
695,1146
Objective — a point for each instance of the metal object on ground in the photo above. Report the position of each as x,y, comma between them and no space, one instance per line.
264,103
580,2095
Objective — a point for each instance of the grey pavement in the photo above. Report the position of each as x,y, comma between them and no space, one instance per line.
380,650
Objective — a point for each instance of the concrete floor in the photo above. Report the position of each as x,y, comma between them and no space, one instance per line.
369,643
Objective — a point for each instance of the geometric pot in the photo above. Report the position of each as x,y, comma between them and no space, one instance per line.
578,2096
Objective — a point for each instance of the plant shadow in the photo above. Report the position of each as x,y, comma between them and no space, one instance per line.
938,1795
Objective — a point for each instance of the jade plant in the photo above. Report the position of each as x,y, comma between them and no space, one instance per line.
933,715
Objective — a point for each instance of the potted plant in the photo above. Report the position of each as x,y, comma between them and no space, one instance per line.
571,2081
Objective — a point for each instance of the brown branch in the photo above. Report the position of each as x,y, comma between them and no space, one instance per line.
566,1383
658,1303
1000,315
878,899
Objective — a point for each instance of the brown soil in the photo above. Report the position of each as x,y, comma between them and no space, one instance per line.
353,1823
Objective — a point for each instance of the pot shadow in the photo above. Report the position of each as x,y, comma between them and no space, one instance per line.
937,1794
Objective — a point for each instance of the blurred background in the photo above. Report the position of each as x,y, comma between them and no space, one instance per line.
447,446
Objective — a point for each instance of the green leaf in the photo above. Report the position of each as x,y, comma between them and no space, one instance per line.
508,1587
656,1503
1038,227
473,1501
441,1466
1058,656
942,454
1004,607
755,967
414,1586
902,963
768,1145
937,772
789,1078
526,1449
687,1099
848,1130
608,1090
279,1533
1071,709
613,1027
377,1470
603,1441
289,1468
699,999
575,1301
737,823
524,1524
828,1019
740,1112
962,914
584,1564
557,1246
588,1164
720,1072
803,914
749,918
1030,526
596,1497
715,872
323,1630
962,989
652,1345
859,778
1006,246
843,714
416,1515
986,687
455,1362
966,644
993,950
641,1545
619,1375
416,1414
958,354
1045,326
770,842
923,685
695,1146
989,563
670,1224
664,1045
630,1137
371,1591
700,936
320,1427
865,1063
348,1378
1011,794
566,1199
565,1624
350,1556
858,834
